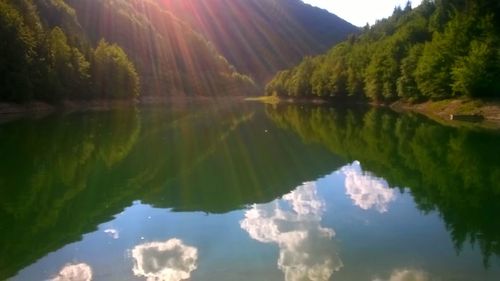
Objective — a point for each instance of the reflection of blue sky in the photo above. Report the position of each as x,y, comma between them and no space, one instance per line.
164,261
366,190
307,251
297,231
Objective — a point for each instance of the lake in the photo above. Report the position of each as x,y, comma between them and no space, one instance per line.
245,191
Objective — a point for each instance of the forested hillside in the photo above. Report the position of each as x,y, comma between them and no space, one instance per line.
171,57
44,55
260,37
55,50
440,49
70,49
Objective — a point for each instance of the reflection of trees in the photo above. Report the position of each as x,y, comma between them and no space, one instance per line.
454,171
61,177
44,177
229,159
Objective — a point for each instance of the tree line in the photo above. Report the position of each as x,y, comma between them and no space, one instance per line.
44,55
440,49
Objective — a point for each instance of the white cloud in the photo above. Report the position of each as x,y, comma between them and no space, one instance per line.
406,275
164,261
367,191
307,251
74,272
113,233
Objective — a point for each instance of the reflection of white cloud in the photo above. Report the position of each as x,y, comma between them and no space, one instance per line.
367,191
407,275
306,249
113,233
74,272
305,200
164,261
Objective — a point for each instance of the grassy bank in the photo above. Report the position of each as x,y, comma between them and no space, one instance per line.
265,99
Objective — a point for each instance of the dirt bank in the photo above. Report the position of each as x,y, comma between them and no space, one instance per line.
441,111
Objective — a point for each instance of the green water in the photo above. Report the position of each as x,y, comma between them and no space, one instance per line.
210,191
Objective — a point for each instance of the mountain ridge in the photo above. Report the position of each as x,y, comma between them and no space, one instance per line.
261,37
166,53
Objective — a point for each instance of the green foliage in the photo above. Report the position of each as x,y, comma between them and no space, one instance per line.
48,52
170,57
299,83
433,73
17,52
382,72
39,61
330,78
441,49
57,13
68,65
114,74
477,73
325,80
406,84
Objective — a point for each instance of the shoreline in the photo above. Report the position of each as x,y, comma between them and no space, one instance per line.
439,111
34,107
37,109
482,113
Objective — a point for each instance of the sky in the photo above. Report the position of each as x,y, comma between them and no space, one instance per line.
360,12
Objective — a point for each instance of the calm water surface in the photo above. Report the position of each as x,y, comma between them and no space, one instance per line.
247,192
